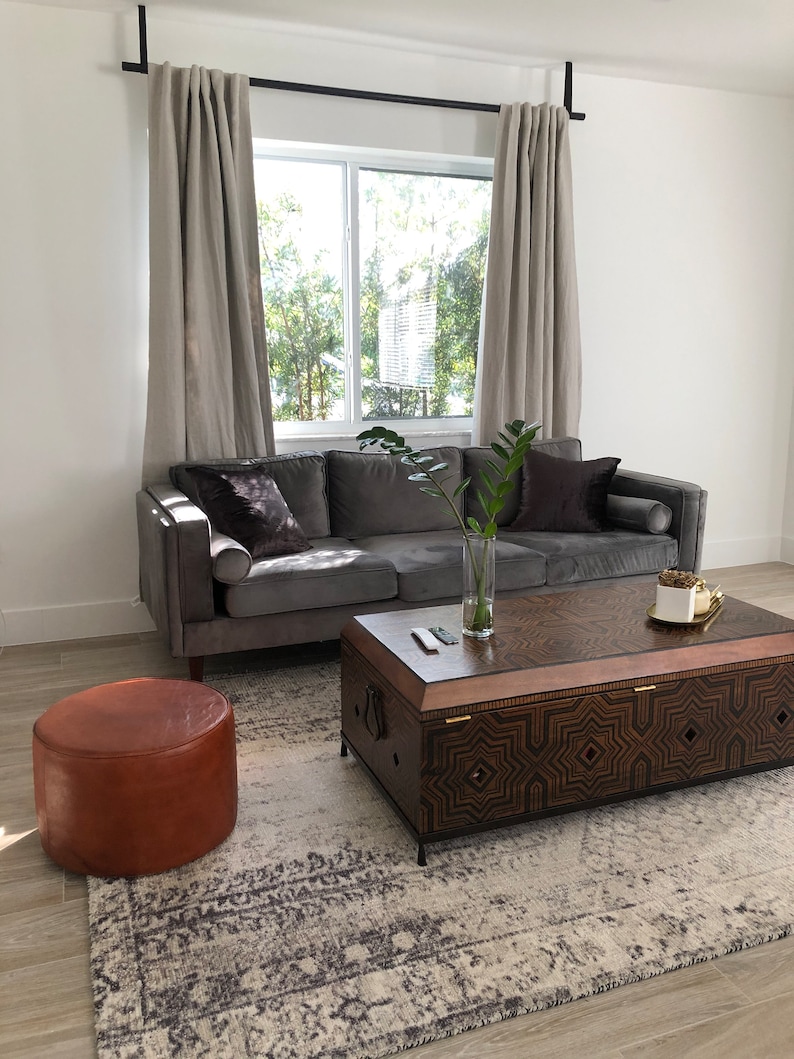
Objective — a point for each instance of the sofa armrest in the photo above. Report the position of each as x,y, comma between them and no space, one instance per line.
175,561
687,502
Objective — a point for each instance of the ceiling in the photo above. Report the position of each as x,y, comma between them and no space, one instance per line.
740,45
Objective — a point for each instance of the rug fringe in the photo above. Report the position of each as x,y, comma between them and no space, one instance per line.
604,987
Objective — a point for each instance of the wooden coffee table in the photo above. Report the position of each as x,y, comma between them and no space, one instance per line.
578,699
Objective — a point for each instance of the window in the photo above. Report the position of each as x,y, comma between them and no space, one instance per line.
372,275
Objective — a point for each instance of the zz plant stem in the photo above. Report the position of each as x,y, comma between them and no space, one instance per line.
496,484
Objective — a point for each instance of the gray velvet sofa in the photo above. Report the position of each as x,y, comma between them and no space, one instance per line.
378,543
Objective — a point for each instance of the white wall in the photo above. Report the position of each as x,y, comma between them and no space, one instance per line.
684,237
685,216
72,324
786,332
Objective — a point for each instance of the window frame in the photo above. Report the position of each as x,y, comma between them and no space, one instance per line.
353,160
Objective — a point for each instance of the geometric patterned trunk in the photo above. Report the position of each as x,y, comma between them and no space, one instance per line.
604,742
454,768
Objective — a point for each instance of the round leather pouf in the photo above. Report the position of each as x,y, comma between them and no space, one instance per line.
135,777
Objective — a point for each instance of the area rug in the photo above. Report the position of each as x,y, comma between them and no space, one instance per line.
312,932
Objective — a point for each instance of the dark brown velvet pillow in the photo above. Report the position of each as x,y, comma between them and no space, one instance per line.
247,505
568,496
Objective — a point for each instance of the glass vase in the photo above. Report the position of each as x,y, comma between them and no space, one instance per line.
479,575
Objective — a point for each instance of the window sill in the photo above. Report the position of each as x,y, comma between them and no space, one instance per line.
288,441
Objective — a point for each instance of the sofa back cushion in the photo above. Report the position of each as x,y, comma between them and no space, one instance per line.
300,477
369,494
474,461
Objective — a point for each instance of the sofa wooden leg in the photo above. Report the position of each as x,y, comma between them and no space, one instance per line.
196,667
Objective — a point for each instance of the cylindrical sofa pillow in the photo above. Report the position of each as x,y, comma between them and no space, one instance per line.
638,513
231,561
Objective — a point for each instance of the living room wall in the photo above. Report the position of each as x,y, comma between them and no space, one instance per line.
685,251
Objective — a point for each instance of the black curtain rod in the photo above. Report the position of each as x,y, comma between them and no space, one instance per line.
142,67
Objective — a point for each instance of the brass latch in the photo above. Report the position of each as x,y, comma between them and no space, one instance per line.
646,687
454,720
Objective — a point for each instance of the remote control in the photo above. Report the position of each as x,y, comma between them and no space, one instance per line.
426,639
443,635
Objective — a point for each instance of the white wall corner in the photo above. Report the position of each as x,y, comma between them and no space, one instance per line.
787,550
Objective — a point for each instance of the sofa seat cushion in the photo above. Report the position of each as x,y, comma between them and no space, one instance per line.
430,565
574,557
334,573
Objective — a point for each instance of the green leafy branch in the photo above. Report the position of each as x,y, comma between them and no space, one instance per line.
496,483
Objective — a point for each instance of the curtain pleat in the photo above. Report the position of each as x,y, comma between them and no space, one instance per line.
530,363
209,392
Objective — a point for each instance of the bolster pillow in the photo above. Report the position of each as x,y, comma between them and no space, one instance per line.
638,513
231,561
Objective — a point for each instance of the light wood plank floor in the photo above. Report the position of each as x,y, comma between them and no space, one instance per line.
739,1006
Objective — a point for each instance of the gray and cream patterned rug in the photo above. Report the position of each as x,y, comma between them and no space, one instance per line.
312,932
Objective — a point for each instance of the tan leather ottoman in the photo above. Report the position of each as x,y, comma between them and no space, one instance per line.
135,777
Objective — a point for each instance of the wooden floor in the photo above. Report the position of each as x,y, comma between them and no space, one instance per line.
736,1007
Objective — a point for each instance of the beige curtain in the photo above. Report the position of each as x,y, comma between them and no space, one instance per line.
529,363
209,393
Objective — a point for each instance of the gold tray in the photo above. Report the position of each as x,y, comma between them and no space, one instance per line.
715,606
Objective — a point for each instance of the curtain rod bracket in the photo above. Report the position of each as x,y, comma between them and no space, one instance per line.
142,67
568,94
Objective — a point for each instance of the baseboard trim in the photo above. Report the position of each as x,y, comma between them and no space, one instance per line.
78,622
719,554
